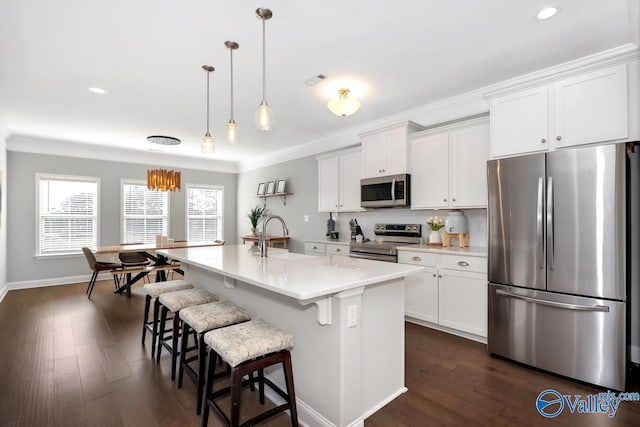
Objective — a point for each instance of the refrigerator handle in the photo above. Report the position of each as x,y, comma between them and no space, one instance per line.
539,227
602,308
550,231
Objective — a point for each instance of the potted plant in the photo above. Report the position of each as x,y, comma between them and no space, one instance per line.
255,215
435,225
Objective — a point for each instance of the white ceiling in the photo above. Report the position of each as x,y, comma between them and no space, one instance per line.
392,55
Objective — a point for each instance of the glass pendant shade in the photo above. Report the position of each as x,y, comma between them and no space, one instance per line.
264,116
344,106
207,146
232,132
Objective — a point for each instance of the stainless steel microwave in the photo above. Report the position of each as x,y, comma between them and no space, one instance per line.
385,191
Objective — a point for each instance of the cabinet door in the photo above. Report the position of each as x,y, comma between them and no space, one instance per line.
350,174
395,157
462,302
328,184
591,107
373,155
468,155
430,171
519,122
421,295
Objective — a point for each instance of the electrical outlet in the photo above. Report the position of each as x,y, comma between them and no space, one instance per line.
352,316
306,218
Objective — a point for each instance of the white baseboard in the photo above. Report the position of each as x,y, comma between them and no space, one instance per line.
380,405
451,331
3,292
56,281
635,354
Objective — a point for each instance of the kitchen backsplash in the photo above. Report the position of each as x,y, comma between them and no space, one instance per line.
477,220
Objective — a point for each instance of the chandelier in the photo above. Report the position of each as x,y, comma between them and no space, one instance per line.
163,180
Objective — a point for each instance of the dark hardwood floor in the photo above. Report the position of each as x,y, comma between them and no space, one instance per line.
69,361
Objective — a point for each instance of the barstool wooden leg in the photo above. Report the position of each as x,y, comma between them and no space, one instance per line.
209,389
163,323
202,358
236,388
261,385
147,304
174,343
288,376
183,353
154,333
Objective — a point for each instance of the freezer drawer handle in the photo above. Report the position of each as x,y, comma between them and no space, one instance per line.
602,308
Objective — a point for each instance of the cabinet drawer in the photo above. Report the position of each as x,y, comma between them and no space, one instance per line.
334,249
314,248
417,258
463,263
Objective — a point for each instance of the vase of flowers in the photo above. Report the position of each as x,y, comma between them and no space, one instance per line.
435,224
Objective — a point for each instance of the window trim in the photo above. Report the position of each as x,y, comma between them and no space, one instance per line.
186,206
39,176
124,181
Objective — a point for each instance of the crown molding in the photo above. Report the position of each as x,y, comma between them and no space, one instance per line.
618,55
36,145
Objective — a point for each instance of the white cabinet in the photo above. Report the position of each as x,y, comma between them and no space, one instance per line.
462,301
339,183
450,293
591,107
448,168
312,247
384,151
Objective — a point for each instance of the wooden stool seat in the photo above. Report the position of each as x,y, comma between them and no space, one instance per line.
154,290
174,302
249,347
201,319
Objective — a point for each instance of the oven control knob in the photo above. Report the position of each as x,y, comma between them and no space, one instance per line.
414,228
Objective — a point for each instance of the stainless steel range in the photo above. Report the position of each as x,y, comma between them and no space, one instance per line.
387,238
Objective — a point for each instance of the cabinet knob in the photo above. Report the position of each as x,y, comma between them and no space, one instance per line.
416,258
314,247
543,140
384,170
463,263
338,250
379,170
454,199
444,200
440,276
558,138
434,274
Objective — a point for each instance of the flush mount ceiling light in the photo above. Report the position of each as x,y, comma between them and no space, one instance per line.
98,90
207,146
343,106
264,113
163,140
163,180
232,131
546,13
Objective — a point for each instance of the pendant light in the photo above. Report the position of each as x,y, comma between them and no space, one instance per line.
343,106
232,131
207,146
264,113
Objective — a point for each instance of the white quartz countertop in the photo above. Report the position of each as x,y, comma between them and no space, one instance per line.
334,241
452,250
303,277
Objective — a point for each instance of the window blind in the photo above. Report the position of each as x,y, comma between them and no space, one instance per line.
67,214
204,213
144,214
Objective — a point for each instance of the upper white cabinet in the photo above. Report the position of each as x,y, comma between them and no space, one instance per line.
339,183
448,166
384,151
590,107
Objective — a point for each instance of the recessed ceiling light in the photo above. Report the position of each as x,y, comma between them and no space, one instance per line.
547,13
98,90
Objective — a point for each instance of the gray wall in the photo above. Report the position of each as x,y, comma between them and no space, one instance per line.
21,214
3,210
302,179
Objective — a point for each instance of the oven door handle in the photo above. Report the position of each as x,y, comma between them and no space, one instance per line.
375,257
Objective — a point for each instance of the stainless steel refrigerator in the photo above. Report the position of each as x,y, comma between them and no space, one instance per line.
557,262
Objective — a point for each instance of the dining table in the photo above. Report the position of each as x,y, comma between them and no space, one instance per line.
149,251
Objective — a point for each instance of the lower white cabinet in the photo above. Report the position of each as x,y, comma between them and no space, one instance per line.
312,247
451,292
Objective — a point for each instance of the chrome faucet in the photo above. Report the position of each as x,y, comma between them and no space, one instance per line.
262,242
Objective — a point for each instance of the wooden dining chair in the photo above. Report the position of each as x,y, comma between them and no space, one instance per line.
97,267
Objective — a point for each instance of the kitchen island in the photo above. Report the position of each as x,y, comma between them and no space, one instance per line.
346,316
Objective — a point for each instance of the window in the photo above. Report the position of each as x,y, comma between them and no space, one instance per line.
204,212
67,214
145,213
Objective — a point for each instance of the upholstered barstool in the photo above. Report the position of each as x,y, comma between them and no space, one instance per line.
202,319
154,290
248,347
174,302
